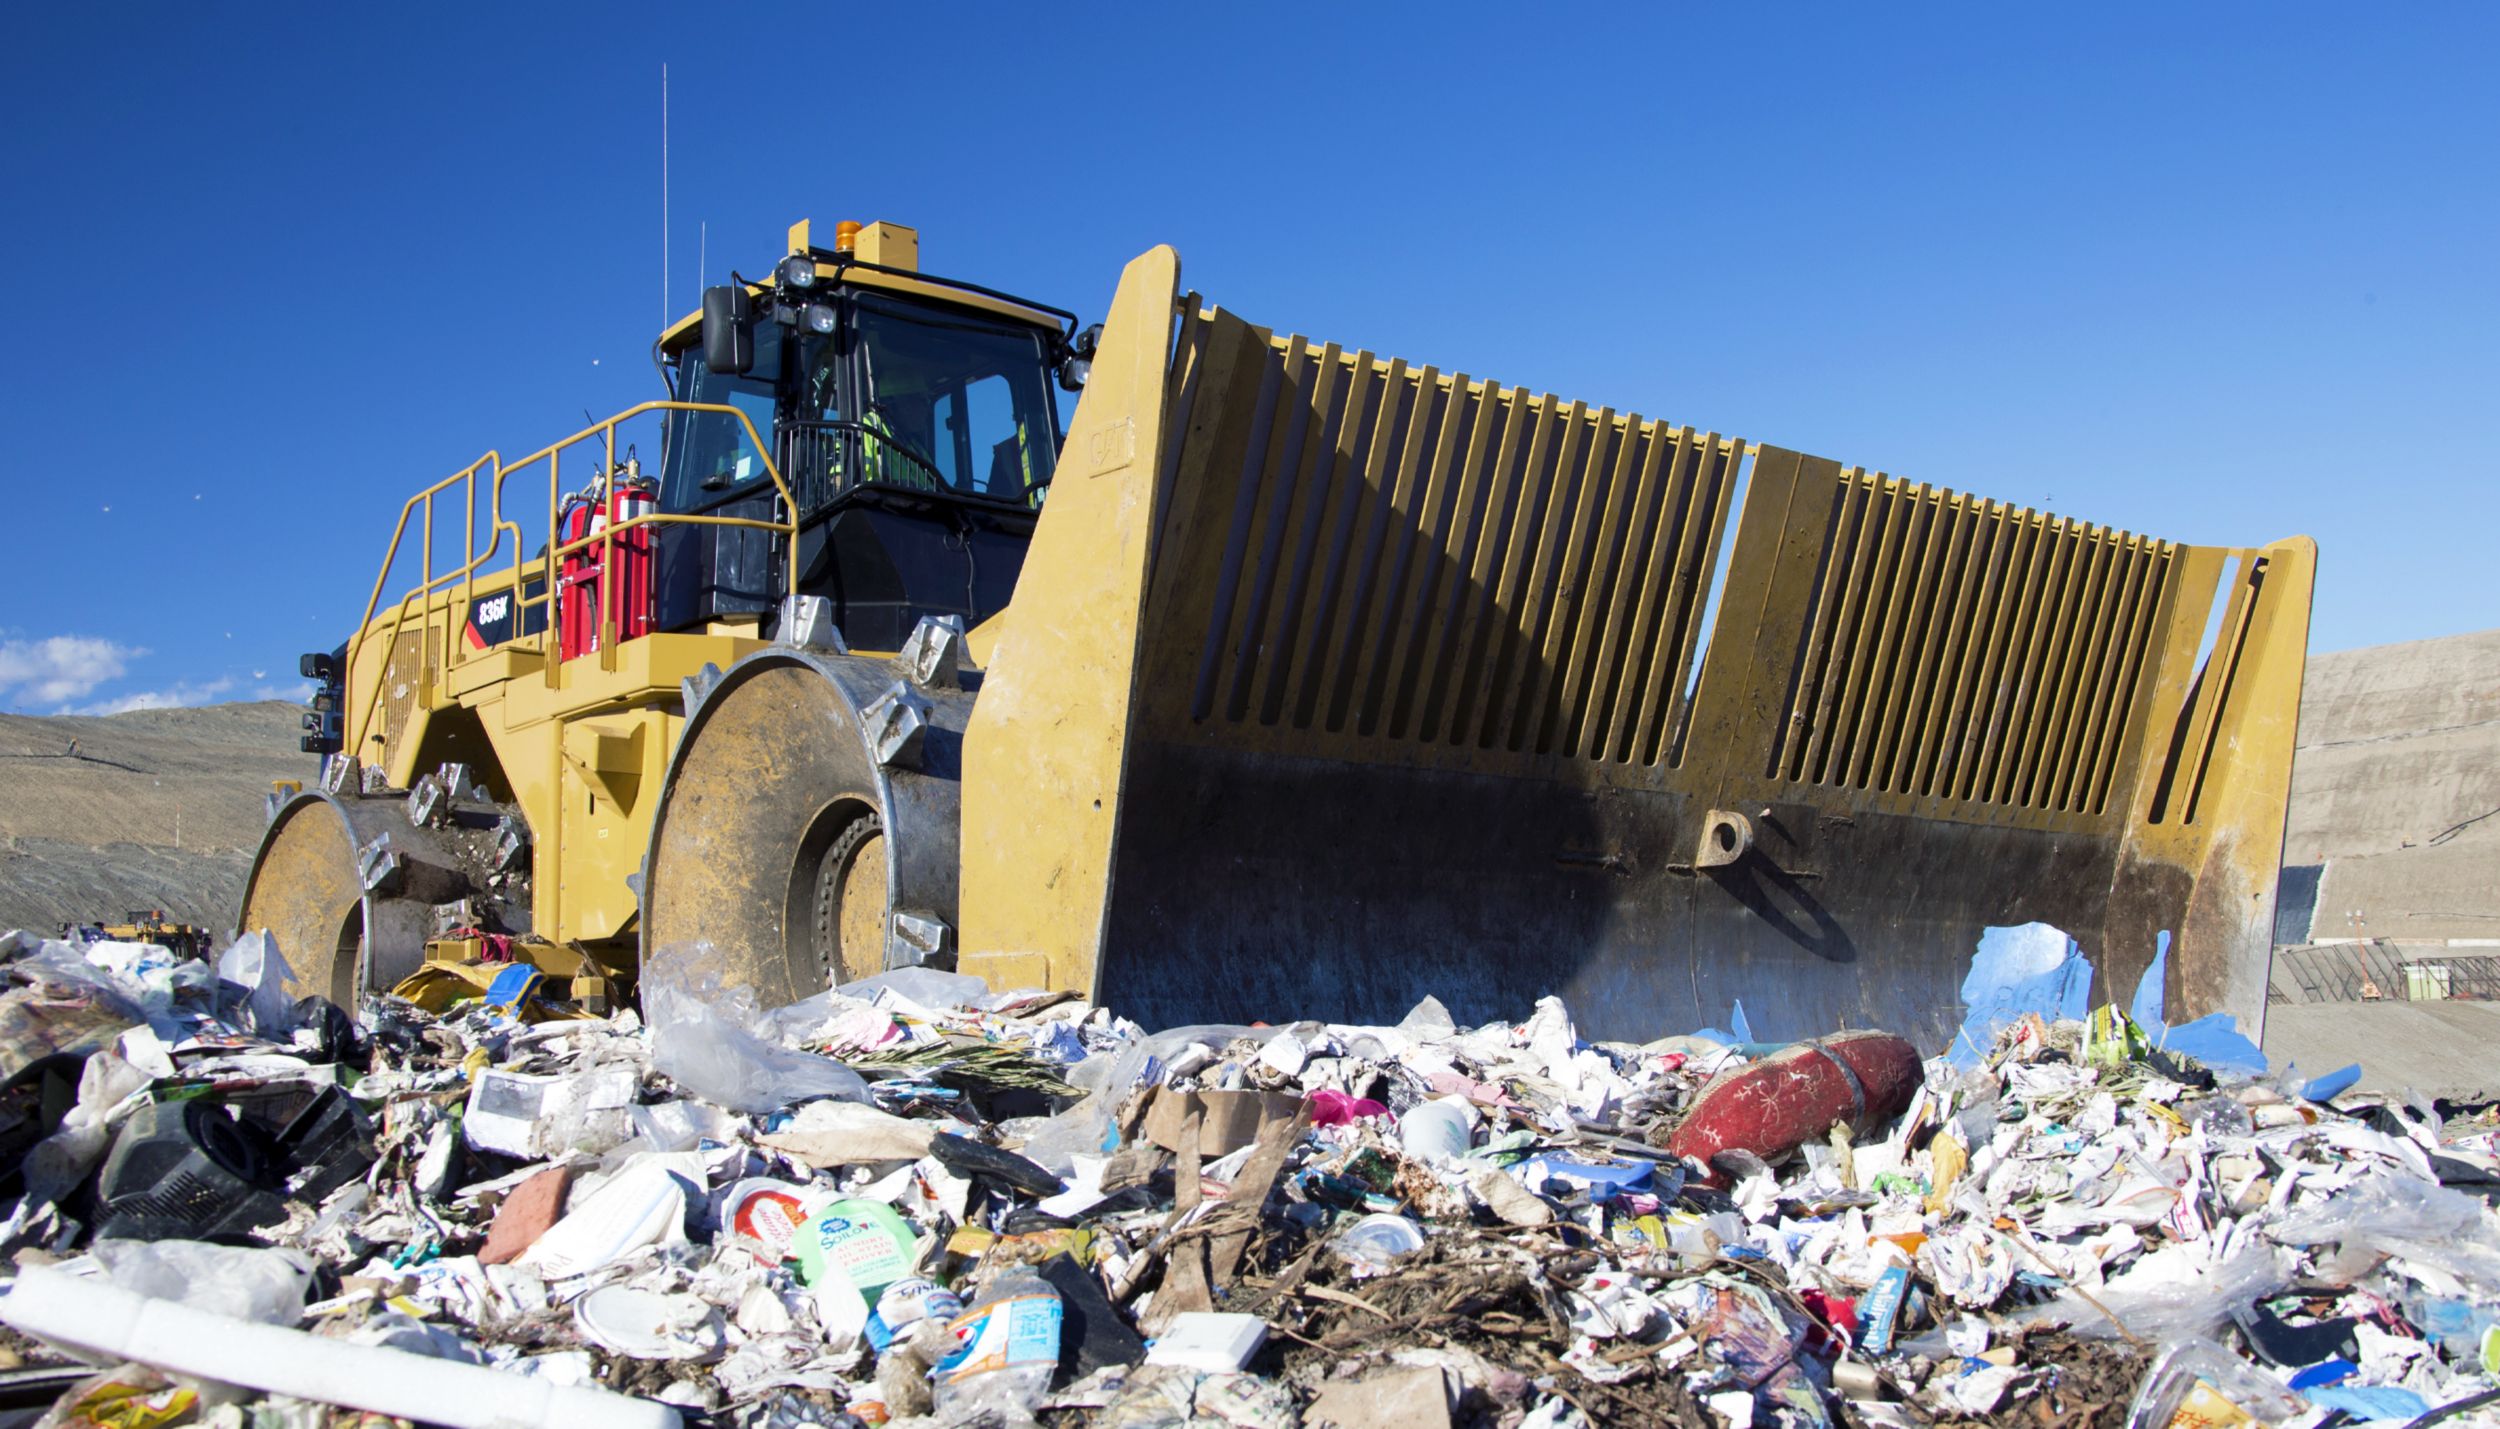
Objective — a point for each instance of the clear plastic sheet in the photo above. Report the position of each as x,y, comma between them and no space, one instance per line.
711,1041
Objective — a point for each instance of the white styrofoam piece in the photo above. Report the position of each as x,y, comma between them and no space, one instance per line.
1209,1340
98,1316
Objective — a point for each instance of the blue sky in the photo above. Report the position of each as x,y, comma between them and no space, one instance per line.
2218,272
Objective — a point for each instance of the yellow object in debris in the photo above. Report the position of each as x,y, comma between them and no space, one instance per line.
2206,1408
134,1398
437,987
1947,1156
2171,1121
1034,1247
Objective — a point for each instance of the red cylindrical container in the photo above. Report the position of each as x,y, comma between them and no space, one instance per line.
589,587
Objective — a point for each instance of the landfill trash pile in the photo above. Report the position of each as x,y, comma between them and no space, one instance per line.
912,1200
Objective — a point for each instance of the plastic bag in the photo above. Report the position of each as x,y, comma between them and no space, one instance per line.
247,1283
2381,1210
1056,1141
2174,1293
149,974
1107,1078
55,1165
927,986
804,1018
710,1041
2408,1218
529,1117
2199,1382
131,1396
60,973
254,964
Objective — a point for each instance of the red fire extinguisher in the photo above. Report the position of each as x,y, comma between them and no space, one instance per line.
618,587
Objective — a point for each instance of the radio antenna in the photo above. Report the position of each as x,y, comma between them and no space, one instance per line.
664,307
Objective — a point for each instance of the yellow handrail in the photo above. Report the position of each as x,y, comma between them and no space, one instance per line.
430,585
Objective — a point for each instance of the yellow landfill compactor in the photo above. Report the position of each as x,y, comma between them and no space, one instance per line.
1290,681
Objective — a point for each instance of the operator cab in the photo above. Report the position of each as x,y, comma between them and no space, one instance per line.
913,418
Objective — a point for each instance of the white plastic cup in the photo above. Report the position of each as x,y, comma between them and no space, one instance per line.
1378,1240
1440,1129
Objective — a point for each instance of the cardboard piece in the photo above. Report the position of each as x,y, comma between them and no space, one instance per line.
1399,1397
1186,1287
1227,1121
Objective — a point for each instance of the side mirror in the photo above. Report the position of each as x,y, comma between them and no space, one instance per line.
728,329
1079,362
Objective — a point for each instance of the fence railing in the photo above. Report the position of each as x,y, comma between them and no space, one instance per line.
451,591
2382,972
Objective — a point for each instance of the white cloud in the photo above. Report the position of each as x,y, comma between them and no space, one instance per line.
61,668
298,692
173,696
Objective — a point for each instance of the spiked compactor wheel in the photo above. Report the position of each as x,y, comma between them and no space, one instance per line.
807,835
304,893
352,885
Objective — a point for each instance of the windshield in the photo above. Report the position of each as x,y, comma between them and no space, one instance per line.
953,401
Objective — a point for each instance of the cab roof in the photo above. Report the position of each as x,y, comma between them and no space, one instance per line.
842,269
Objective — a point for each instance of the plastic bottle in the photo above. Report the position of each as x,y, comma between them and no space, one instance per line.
2223,1117
1006,1348
906,1303
863,1245
2464,1327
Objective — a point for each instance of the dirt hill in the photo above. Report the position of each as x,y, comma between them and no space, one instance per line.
103,814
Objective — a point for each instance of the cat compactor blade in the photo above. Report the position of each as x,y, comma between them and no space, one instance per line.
1335,681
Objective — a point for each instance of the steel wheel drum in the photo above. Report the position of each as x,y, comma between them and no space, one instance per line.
782,842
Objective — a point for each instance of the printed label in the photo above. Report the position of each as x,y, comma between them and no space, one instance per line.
1020,1330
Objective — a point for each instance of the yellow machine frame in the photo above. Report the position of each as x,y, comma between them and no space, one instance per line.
579,743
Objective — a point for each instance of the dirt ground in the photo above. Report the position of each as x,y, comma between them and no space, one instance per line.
150,809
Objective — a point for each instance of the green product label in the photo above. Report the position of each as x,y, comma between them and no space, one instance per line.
862,1242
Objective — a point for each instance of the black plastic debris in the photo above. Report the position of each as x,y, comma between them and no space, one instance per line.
187,1171
327,1145
2281,1342
1092,1335
970,1158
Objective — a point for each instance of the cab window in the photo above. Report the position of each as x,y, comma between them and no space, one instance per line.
954,402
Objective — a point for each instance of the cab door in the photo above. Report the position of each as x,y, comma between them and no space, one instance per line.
713,468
